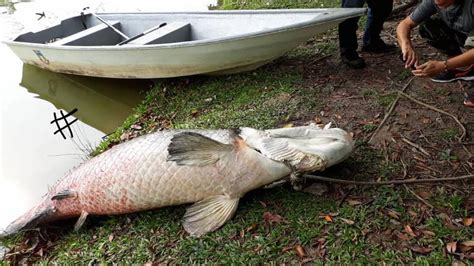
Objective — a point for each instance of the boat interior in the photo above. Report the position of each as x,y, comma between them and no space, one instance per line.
157,28
88,30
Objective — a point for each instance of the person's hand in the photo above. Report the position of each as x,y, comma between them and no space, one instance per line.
429,69
409,57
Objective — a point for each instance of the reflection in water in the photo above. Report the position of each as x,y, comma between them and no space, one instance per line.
102,103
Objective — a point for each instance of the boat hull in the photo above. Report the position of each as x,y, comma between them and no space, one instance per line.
211,56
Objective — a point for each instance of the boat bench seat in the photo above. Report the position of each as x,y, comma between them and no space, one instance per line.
171,32
100,34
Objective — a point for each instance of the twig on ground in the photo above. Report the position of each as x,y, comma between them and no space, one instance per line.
425,167
390,111
276,183
467,151
416,146
391,182
320,58
418,197
398,10
405,167
463,129
345,197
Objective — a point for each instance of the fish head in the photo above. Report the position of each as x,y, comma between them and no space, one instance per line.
306,148
324,148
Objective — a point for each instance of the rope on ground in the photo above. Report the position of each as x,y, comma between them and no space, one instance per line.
390,182
390,111
463,129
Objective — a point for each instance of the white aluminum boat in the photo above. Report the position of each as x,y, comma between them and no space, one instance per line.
160,45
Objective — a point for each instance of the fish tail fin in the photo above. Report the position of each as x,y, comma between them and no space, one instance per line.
35,216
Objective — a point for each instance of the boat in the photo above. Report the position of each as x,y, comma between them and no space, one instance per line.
172,44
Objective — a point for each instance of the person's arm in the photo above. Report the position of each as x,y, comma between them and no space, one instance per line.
434,67
404,29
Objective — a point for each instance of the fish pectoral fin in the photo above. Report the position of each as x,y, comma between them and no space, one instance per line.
193,149
81,220
209,214
279,149
65,194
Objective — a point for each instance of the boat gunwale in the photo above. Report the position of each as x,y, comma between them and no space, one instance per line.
203,42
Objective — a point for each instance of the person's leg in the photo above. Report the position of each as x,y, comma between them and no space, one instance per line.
348,37
379,10
441,37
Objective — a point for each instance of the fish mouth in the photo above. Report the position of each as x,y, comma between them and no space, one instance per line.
31,219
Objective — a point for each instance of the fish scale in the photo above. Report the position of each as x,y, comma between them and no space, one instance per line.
211,168
152,181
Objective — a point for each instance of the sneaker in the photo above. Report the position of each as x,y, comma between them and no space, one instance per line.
469,100
455,74
378,47
352,59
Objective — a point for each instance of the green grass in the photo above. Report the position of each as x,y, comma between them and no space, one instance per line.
449,134
158,236
270,96
277,4
259,99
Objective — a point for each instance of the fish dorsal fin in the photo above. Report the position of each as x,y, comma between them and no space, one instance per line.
65,194
209,214
279,149
194,149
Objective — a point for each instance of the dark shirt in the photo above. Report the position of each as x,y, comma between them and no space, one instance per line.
458,16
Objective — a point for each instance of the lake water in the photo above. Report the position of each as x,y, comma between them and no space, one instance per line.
32,157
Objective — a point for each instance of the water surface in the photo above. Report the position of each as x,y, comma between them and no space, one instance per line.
32,157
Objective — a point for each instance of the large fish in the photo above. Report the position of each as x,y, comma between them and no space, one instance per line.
211,168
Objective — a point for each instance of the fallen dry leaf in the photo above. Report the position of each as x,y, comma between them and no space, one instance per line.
428,233
452,227
274,218
328,218
467,221
353,202
425,194
469,243
194,112
317,189
421,250
395,215
289,125
426,121
465,248
451,247
299,251
251,228
136,127
40,252
409,230
413,214
347,221
457,263
402,236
